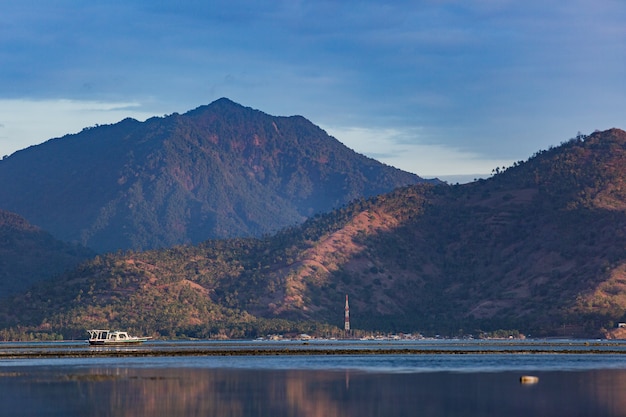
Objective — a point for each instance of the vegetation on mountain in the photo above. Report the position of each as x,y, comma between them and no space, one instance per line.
29,255
537,248
218,171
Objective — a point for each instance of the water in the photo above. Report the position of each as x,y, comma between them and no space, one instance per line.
416,378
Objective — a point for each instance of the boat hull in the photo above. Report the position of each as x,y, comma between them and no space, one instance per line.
116,343
105,337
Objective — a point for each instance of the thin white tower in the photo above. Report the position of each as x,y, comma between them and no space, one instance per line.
347,322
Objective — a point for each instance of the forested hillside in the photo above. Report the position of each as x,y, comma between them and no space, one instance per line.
218,171
538,248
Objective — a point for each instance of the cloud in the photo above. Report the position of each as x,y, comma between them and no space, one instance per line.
26,122
471,82
403,149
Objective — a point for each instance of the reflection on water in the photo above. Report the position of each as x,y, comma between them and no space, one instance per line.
75,391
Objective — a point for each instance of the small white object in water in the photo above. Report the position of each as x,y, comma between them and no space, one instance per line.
528,379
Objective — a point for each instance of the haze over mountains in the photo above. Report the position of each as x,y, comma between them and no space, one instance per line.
218,171
539,247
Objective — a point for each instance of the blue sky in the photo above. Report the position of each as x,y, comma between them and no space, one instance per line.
434,87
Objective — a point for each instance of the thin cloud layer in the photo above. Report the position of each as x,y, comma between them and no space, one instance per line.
31,122
491,80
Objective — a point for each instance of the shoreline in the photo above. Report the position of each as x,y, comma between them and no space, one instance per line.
302,351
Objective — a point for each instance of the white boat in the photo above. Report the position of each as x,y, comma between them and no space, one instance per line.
108,337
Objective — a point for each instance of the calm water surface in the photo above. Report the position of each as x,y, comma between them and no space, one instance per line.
450,378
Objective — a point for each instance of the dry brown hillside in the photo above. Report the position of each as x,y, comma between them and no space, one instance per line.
539,247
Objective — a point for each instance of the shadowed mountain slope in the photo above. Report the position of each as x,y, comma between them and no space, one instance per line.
29,255
218,171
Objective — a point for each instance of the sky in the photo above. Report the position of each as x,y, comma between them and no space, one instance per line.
442,88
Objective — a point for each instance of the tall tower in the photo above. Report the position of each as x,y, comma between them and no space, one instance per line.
347,322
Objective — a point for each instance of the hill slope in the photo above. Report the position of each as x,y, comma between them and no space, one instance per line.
220,170
538,247
29,255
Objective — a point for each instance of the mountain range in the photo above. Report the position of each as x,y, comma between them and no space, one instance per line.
537,248
219,171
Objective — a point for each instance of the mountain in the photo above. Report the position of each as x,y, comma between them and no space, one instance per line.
537,248
29,255
218,171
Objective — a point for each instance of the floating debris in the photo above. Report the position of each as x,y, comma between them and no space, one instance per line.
528,379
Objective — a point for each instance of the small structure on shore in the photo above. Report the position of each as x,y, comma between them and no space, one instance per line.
346,326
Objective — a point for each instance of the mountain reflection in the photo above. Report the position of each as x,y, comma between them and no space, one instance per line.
307,393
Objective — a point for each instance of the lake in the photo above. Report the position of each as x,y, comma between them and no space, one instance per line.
316,378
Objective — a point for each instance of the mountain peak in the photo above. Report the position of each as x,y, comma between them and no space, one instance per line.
217,171
221,104
225,101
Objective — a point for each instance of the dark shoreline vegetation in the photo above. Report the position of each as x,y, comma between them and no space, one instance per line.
295,352
39,350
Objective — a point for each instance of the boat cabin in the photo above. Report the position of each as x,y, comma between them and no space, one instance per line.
108,337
